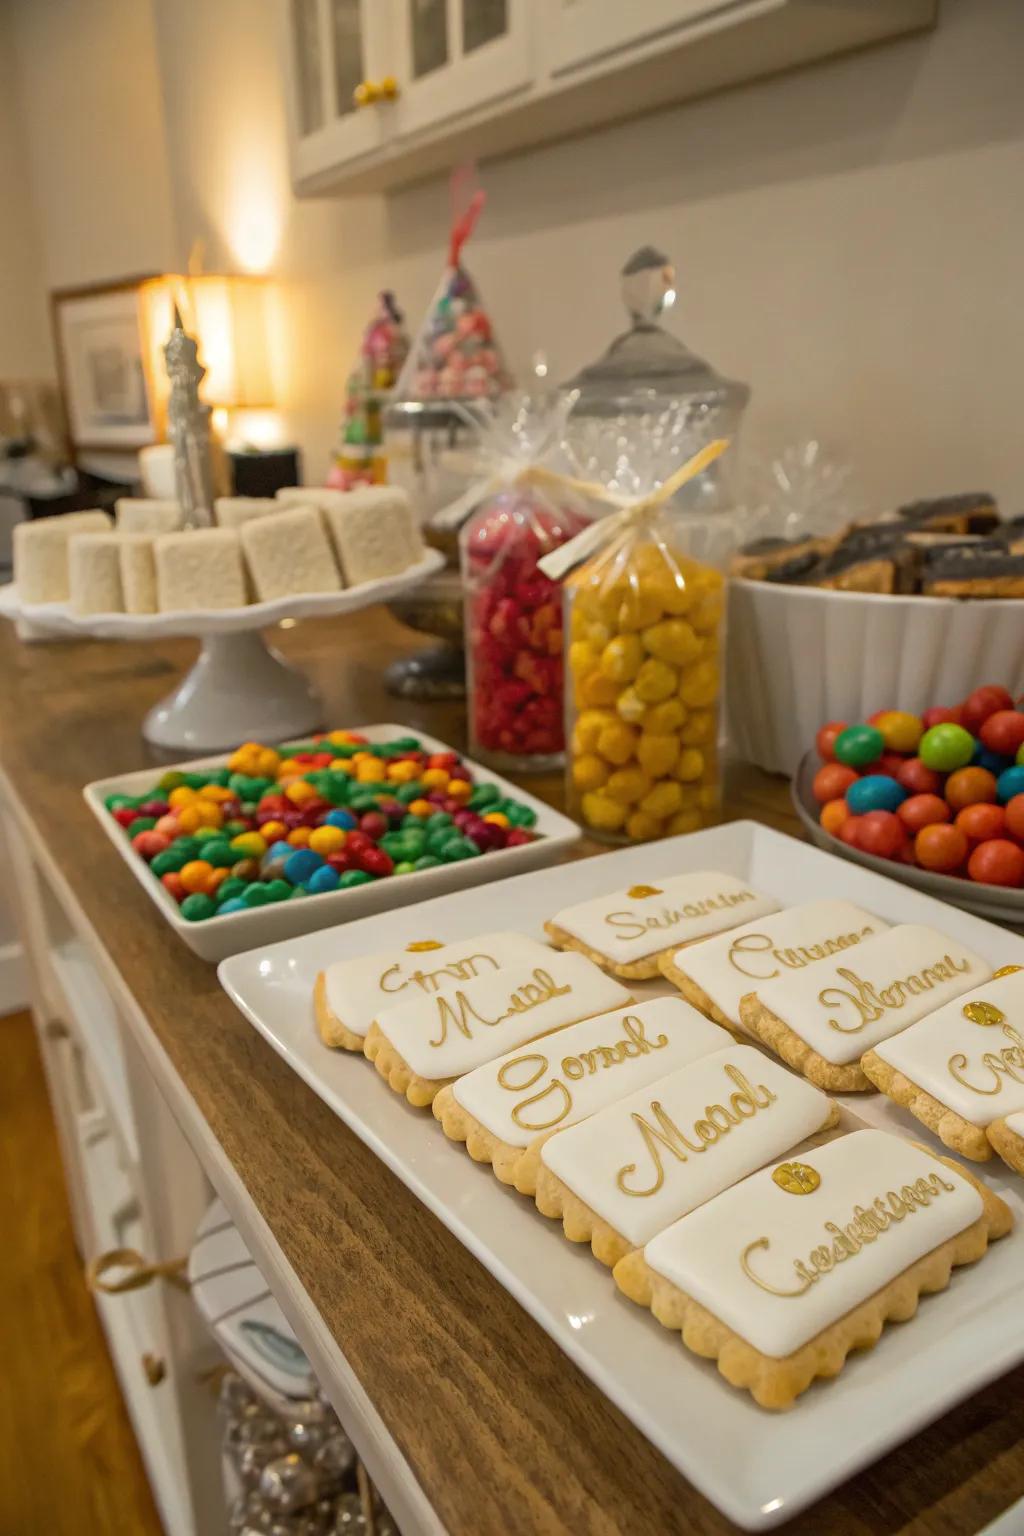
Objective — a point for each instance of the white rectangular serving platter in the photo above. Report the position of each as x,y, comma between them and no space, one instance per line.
758,1468
220,936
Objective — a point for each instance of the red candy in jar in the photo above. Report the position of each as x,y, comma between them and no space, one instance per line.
514,629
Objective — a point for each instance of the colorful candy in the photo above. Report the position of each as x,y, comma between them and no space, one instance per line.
941,790
328,814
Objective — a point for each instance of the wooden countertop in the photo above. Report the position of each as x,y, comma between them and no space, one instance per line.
502,1432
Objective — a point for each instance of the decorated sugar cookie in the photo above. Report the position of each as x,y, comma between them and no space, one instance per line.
420,1045
782,1275
350,994
715,974
1007,1136
823,1019
626,931
961,1067
506,1110
621,1176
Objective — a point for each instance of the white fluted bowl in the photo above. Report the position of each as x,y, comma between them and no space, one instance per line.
798,656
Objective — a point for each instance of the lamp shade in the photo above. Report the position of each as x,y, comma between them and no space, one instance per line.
228,317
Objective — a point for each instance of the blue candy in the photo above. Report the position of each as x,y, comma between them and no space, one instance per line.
233,904
301,865
875,792
279,850
995,762
323,879
341,818
1010,783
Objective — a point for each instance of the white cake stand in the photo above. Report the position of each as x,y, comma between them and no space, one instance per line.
240,688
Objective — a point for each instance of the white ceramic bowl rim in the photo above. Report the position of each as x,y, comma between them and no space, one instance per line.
794,593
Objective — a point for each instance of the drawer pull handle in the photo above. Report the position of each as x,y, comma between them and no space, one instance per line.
139,1272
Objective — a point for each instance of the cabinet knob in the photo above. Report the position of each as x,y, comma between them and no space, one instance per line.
138,1272
154,1368
368,92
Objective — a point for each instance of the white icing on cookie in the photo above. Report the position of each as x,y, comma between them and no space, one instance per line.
358,989
970,1054
843,1007
737,962
779,1267
631,924
556,1081
456,1030
645,1161
1015,1123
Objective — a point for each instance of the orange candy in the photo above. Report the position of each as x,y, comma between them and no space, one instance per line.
216,877
435,778
195,875
460,789
300,791
172,882
970,786
273,831
833,814
422,808
201,813
298,837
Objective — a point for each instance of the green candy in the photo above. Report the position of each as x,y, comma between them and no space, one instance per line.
186,845
218,852
279,890
520,815
196,780
197,906
120,802
234,828
407,793
353,877
363,800
335,788
427,861
169,862
404,744
141,824
484,794
439,819
172,779
219,776
297,890
458,848
228,888
256,894
206,835
346,749
415,841
412,823
404,868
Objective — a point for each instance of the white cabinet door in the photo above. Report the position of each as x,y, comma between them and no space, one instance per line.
333,46
451,56
577,32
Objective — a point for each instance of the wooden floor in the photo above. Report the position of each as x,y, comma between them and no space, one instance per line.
69,1464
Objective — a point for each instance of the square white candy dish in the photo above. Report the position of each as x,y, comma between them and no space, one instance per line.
220,933
658,1139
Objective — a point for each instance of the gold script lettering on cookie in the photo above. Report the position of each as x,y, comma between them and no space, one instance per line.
428,981
868,1003
718,1121
555,1099
460,1013
755,949
844,1241
633,925
1006,1063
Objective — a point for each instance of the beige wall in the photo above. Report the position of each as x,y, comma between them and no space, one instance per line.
93,124
25,349
850,238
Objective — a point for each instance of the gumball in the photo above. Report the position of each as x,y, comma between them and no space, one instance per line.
881,833
148,844
982,821
938,715
848,831
1010,783
833,814
941,847
1004,731
890,763
946,747
997,862
171,881
859,745
918,779
825,740
832,781
1015,816
875,792
970,786
982,703
995,762
900,730
923,811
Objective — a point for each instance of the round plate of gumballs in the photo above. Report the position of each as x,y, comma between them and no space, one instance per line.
271,842
936,799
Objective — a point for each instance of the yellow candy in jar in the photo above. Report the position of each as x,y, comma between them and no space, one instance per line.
596,689
589,727
673,640
622,658
588,772
699,685
628,785
684,821
699,728
657,753
599,635
582,658
641,827
600,812
662,719
656,680
663,800
617,743
629,706
706,613
639,608
690,765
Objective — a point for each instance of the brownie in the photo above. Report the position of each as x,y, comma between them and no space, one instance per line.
972,512
985,568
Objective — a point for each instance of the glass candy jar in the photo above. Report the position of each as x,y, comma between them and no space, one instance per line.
646,619
514,640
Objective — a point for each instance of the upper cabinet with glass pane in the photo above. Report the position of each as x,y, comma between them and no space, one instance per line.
383,92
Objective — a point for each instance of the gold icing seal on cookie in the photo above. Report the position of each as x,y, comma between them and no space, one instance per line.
638,892
983,1013
1007,970
796,1178
422,946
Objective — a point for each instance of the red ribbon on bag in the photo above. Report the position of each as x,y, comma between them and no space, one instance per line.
466,208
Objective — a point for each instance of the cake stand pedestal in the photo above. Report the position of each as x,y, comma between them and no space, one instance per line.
239,689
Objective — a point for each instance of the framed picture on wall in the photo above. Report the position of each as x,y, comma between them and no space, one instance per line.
102,365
